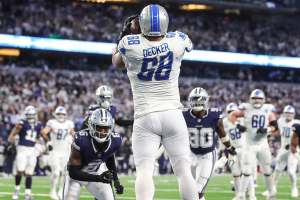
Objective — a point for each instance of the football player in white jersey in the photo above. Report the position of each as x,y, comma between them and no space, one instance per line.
237,140
153,60
285,156
60,130
260,119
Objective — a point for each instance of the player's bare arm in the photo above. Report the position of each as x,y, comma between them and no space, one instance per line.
74,167
72,132
14,132
117,60
233,118
44,133
294,144
111,165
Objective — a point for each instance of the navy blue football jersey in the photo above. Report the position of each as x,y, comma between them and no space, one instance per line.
91,157
29,133
296,128
202,131
112,109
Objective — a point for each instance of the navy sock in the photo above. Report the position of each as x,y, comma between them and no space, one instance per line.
18,180
28,183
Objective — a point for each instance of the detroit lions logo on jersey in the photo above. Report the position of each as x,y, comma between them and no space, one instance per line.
202,134
91,157
29,133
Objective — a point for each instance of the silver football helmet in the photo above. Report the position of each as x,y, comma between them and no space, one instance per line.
30,114
231,107
105,96
198,99
101,118
154,21
257,94
60,110
289,112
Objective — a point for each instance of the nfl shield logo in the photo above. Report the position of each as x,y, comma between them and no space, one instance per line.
199,120
99,154
266,111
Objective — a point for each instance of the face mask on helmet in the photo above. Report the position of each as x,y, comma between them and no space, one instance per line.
30,117
199,103
100,133
257,102
60,117
105,101
289,116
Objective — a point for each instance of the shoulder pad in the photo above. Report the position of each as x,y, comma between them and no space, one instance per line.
242,106
21,122
185,109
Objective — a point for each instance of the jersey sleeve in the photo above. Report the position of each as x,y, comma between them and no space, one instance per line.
296,129
242,106
272,108
21,122
128,44
117,140
49,123
72,125
76,141
188,45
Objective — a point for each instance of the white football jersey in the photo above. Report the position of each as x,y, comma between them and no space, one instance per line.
286,131
60,134
153,68
256,118
236,137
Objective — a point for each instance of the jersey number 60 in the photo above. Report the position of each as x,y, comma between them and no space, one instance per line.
163,70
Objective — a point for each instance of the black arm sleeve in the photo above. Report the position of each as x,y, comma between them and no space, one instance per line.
84,124
76,174
275,124
110,164
122,122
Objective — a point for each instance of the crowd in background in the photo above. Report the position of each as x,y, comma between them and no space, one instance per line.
99,22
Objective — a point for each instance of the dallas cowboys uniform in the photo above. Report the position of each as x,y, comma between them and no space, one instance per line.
237,140
203,139
112,109
26,157
60,135
91,159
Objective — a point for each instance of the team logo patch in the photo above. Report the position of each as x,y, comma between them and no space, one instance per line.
266,111
99,154
199,120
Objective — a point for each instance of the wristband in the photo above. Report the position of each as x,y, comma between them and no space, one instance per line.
225,139
268,129
236,123
297,156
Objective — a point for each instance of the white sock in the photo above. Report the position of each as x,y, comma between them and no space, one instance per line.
28,191
293,179
62,180
251,188
245,182
269,183
17,187
144,185
54,180
276,177
237,185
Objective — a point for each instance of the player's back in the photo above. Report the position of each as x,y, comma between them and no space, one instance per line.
285,129
153,68
236,137
29,132
60,133
256,118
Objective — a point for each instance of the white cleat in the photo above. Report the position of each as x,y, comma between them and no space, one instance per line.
234,198
53,195
265,193
16,194
253,198
232,182
60,194
295,192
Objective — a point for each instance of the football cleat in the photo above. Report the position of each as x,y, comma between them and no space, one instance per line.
28,197
16,194
53,195
295,192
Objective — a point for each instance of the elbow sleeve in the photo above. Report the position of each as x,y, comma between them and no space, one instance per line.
275,124
110,164
76,174
122,122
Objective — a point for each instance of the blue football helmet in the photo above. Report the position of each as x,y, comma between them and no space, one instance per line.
154,21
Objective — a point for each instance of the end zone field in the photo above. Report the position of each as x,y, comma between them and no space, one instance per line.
219,188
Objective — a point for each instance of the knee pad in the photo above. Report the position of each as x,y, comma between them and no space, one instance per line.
247,169
146,166
182,166
266,170
55,173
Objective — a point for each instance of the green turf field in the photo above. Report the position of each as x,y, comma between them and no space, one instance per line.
218,188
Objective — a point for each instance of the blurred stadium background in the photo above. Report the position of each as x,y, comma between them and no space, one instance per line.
57,52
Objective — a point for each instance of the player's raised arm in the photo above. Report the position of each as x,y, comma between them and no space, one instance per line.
117,60
236,114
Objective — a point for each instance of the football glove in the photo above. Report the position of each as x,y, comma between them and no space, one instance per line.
231,159
287,147
126,28
119,187
106,177
232,151
261,131
49,145
241,128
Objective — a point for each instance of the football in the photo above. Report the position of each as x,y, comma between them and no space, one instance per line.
135,26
